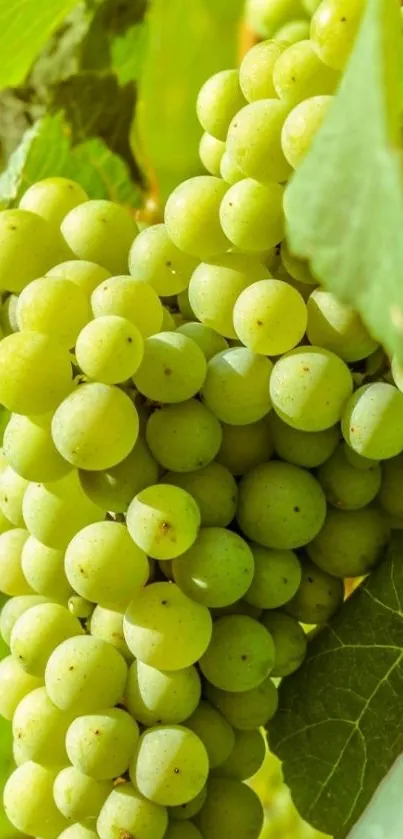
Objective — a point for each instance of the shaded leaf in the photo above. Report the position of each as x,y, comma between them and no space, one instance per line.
111,23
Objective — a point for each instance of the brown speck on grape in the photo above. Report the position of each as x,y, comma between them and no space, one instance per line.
167,371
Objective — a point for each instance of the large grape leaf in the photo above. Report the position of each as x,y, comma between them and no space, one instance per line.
339,727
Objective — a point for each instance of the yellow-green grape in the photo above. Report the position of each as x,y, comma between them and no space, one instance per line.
12,491
290,642
12,609
173,368
87,275
236,388
276,579
15,683
310,6
357,460
345,486
168,322
231,809
185,308
155,259
39,730
43,569
240,655
113,489
5,418
211,151
214,731
163,520
126,811
182,830
297,268
301,126
390,497
280,505
192,216
12,579
53,198
397,373
54,306
101,744
256,70
299,74
251,215
292,32
153,627
270,317
85,674
319,596
104,565
35,375
245,710
337,327
102,232
170,766
107,624
209,341
129,298
29,449
350,542
240,607
372,422
246,756
214,490
5,524
27,247
96,427
254,140
265,16
8,315
38,631
81,608
79,797
78,830
109,349
156,696
184,437
184,812
303,448
29,803
334,27
219,99
245,446
229,170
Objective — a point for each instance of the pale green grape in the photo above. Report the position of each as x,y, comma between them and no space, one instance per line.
310,6
53,198
211,151
245,710
87,275
350,542
130,298
38,632
185,309
108,625
236,388
214,490
114,488
397,373
270,317
184,812
345,486
217,569
372,422
79,797
30,450
276,579
126,811
297,268
39,730
214,731
303,448
280,505
209,341
265,16
219,99
173,368
182,830
156,696
184,437
104,565
12,491
12,609
252,216
246,756
334,27
95,427
319,596
337,327
43,569
309,388
5,524
168,322
240,655
54,512
15,683
215,287
8,315
358,460
80,608
230,809
256,70
12,578
102,232
163,520
292,32
27,247
299,74
101,744
290,642
301,126
36,373
229,170
171,765
29,804
109,349
54,306
245,446
192,216
254,141
85,674
155,259
154,627
78,830
390,496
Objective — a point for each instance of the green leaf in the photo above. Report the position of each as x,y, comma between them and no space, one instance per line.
383,817
114,38
128,51
345,204
339,727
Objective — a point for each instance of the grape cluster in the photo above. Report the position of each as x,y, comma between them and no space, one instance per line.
192,436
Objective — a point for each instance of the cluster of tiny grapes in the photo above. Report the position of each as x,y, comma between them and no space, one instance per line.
192,436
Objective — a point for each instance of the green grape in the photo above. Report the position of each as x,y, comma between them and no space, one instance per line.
219,99
292,32
397,373
184,437
168,322
185,309
297,268
102,232
171,765
309,388
301,126
290,642
245,446
108,625
28,801
372,422
218,568
79,830
54,512
155,259
236,388
155,696
337,327
211,151
256,70
270,317
101,744
79,797
299,74
104,565
390,497
129,298
95,427
184,812
246,756
215,287
53,198
245,710
240,607
350,542
38,631
39,730
357,460
173,368
5,524
230,809
209,341
12,491
35,375
266,16
81,608
319,596
8,315
30,450
182,830
126,812
254,141
240,655
334,27
114,488
214,490
154,627
163,520
251,215
85,674
310,6
280,505
109,349
87,275
303,448
345,486
27,247
276,579
192,216
55,307
15,683
5,418
12,579
12,609
43,569
214,731
230,172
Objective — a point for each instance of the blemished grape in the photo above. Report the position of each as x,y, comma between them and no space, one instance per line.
345,486
130,298
15,683
211,151
12,609
182,830
113,489
79,797
108,625
240,655
236,388
36,373
256,70
334,27
184,437
38,632
290,642
173,368
55,307
231,808
192,216
266,17
12,579
39,730
163,520
303,448
29,804
85,674
276,578
101,744
301,126
30,450
270,317
214,731
87,275
254,140
350,542
209,341
53,198
251,215
126,811
337,327
12,492
246,756
102,232
299,74
214,490
28,249
218,101
155,259
245,446
156,696
319,596
372,422
109,349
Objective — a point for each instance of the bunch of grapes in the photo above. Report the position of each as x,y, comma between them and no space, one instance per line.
192,435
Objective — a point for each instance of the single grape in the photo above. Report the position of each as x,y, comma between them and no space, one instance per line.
358,460
28,248
270,317
15,683
245,710
30,450
209,341
301,126
85,674
276,579
108,625
372,422
236,388
245,446
192,216
350,542
184,812
290,642
126,811
251,215
337,327
297,268
38,631
214,731
293,31
184,437
168,322
79,797
254,140
102,232
266,17
12,491
8,315
246,756
53,198
303,448
345,486
114,488
214,490
109,349
78,830
334,27
211,151
43,569
156,696
182,830
229,170
12,609
155,259
390,497
230,809
256,70
29,804
87,275
185,309
240,655
39,730
319,596
173,368
219,99
12,579
163,520
101,744
36,373
129,298
55,307
80,608
299,74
